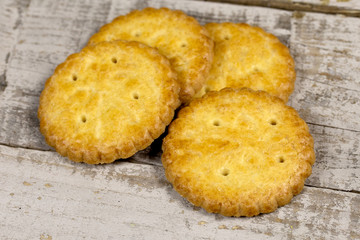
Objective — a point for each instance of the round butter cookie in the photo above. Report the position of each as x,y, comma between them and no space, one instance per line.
177,36
238,152
108,101
246,56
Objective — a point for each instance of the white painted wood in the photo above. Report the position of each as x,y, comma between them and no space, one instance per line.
327,56
337,164
10,18
44,195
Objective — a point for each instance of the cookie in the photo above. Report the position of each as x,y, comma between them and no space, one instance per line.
177,36
246,56
238,152
108,101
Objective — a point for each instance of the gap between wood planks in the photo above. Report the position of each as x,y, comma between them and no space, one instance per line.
155,163
333,189
289,5
333,127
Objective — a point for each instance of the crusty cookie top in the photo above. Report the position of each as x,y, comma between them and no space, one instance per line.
246,56
177,36
108,101
238,152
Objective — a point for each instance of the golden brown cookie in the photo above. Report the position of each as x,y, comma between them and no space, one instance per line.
238,152
177,36
108,101
246,56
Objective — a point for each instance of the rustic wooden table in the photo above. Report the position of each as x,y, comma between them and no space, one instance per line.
46,196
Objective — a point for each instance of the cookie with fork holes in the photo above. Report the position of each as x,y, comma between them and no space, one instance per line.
238,152
108,101
176,35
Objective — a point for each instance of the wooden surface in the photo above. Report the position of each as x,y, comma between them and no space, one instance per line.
46,196
345,7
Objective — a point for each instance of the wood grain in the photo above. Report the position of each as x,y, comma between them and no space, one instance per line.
327,55
345,7
337,164
11,13
53,197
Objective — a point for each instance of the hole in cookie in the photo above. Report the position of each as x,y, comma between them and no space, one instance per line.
74,77
281,160
114,60
216,123
183,45
83,119
225,172
137,34
226,37
273,122
207,89
135,96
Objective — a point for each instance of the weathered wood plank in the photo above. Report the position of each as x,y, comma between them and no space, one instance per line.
326,93
342,4
337,162
327,56
345,7
10,18
42,194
